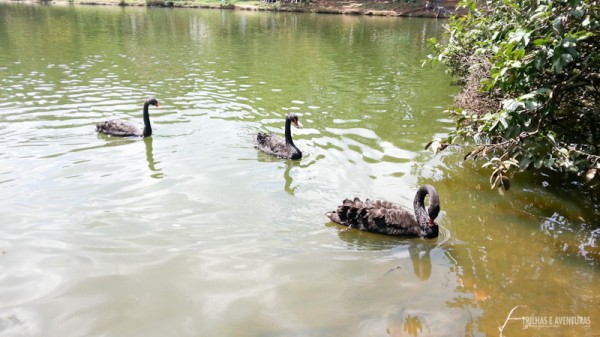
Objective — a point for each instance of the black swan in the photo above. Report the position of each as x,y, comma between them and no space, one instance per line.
277,146
121,128
384,217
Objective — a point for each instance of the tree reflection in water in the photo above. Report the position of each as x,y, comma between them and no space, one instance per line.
408,324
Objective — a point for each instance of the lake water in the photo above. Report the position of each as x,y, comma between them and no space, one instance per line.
192,232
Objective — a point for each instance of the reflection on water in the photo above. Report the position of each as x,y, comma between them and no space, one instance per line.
232,242
419,251
157,174
288,178
413,325
292,168
421,260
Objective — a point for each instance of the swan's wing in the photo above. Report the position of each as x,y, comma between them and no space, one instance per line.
382,204
273,144
392,221
118,127
377,216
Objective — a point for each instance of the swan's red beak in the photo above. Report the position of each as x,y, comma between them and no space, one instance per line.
431,222
297,124
157,105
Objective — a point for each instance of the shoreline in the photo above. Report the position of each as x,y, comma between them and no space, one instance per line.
320,7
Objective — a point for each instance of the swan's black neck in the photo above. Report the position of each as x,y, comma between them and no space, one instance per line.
288,138
425,217
288,132
147,126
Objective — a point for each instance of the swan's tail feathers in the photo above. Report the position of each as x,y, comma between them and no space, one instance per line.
262,138
348,213
335,217
104,127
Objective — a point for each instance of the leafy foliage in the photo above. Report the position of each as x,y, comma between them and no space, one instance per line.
531,71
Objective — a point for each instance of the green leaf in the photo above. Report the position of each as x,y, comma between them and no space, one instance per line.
576,13
538,163
586,21
525,163
557,23
520,36
561,61
568,42
531,104
542,42
510,105
543,91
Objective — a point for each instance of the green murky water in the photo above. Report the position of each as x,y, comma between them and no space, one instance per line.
194,233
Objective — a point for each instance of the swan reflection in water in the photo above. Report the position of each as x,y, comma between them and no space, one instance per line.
291,167
420,257
289,180
157,174
290,187
402,321
412,322
421,262
419,251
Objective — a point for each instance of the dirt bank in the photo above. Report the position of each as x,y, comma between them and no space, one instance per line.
399,8
377,8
